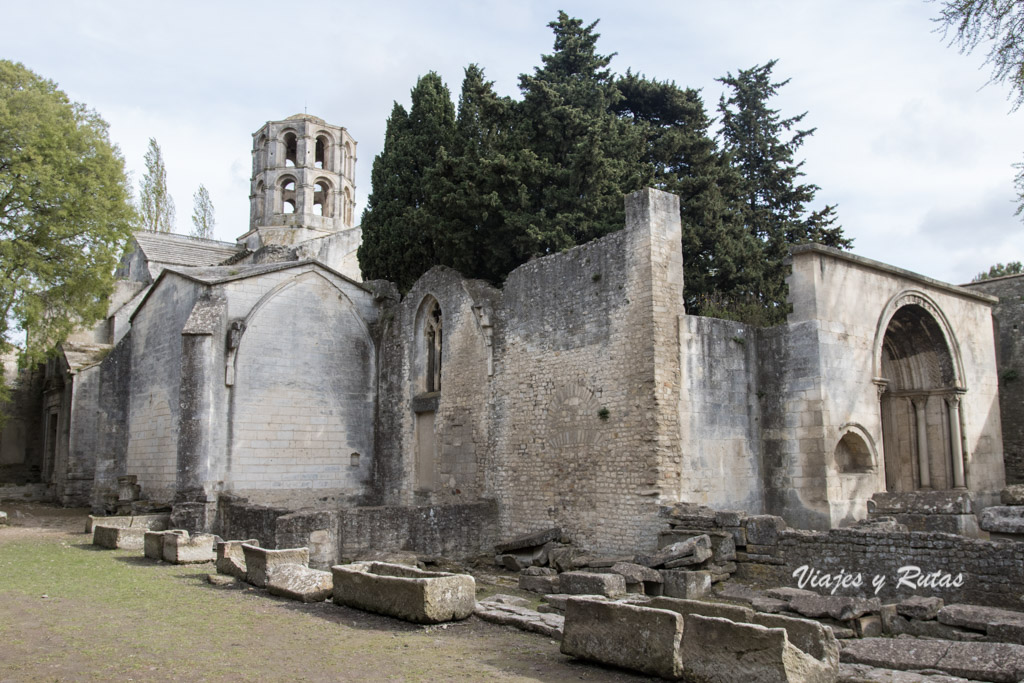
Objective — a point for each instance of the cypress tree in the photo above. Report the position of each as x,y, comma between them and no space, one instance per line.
762,146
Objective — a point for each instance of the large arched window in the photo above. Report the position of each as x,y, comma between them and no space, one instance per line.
348,159
347,209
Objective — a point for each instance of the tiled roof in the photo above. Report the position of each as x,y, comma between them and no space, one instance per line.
181,250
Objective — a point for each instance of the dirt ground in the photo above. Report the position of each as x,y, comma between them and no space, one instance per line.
72,612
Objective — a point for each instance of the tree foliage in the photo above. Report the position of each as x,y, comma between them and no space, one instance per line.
773,200
156,206
65,213
202,214
999,270
501,181
998,24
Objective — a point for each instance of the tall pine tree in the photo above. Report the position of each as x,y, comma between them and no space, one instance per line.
763,147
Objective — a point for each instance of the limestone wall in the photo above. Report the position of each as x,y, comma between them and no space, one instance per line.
1009,326
720,415
154,411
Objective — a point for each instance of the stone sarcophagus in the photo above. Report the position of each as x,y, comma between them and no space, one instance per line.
404,592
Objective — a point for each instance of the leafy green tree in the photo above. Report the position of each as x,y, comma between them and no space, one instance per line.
999,270
998,24
774,201
586,157
65,213
400,224
202,214
156,205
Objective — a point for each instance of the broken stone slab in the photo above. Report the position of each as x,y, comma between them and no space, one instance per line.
920,607
715,649
730,518
540,571
707,609
897,626
513,562
940,502
837,607
231,557
297,582
404,592
592,583
977,617
259,561
738,592
769,605
763,529
693,550
407,558
546,624
636,573
539,584
996,662
687,585
221,580
154,522
113,537
787,593
566,558
502,599
530,540
862,673
1007,632
1012,495
723,546
153,543
630,636
1003,519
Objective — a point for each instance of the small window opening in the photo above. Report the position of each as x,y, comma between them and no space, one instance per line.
321,197
321,153
291,150
288,196
434,344
353,460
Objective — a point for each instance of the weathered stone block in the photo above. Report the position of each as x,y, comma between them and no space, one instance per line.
1003,519
154,522
868,626
920,607
723,547
589,583
739,535
117,537
693,550
769,605
300,583
530,540
231,558
706,609
636,573
941,502
721,650
1012,495
630,636
259,561
763,530
153,545
997,662
685,585
837,607
538,584
977,617
730,518
185,549
404,592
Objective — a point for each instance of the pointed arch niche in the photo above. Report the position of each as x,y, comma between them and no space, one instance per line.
428,352
918,374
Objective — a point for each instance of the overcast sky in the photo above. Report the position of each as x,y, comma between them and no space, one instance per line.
910,143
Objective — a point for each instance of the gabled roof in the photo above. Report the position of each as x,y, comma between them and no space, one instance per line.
181,250
80,356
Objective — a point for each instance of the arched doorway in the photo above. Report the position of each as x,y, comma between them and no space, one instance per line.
920,399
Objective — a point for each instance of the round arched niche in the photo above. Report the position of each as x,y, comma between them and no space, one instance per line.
853,454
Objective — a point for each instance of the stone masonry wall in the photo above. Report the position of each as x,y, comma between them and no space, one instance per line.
720,415
992,573
1009,329
155,375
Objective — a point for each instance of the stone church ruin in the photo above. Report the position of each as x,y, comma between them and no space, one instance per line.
261,390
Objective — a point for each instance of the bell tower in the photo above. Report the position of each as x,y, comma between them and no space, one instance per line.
303,182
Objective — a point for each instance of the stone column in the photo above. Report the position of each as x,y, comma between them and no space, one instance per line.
920,403
955,440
